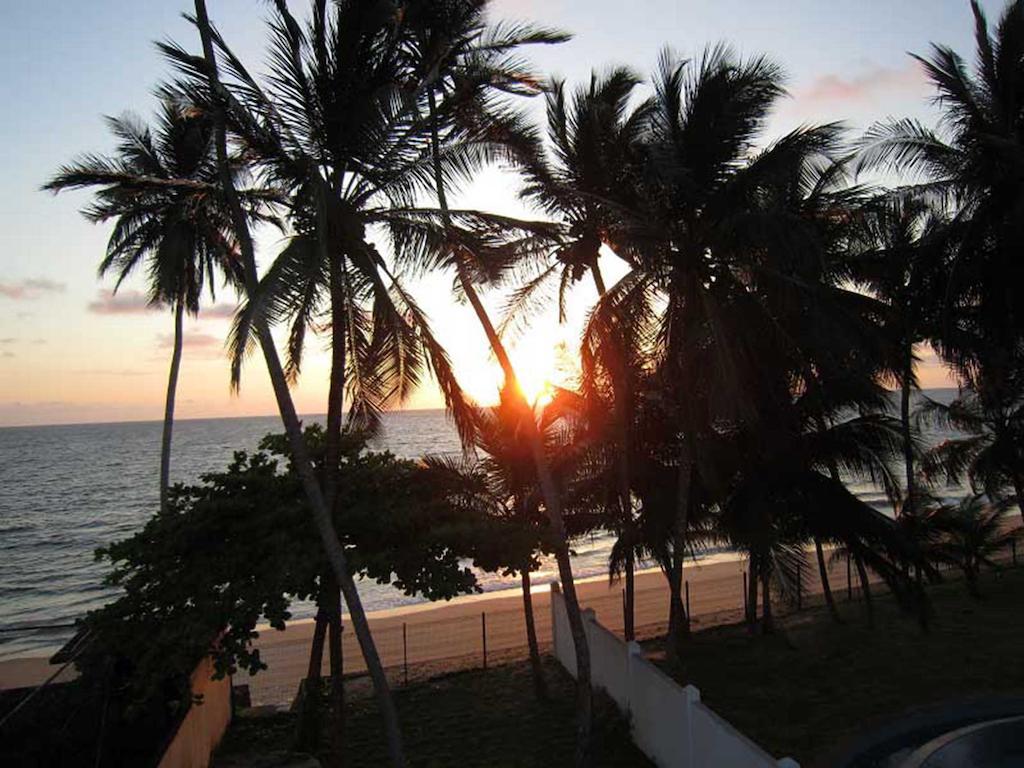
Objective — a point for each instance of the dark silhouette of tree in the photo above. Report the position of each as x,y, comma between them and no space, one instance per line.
160,189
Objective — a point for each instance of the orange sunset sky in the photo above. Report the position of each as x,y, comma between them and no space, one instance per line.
71,352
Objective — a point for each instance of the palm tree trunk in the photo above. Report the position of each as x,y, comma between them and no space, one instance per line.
531,636
826,587
595,270
337,719
622,462
865,588
286,406
676,609
332,477
768,625
752,581
629,621
336,388
549,491
172,390
833,472
908,445
677,624
307,734
1018,487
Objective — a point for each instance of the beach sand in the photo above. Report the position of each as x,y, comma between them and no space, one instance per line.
442,637
437,637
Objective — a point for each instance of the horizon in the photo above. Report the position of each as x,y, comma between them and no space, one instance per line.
71,352
311,415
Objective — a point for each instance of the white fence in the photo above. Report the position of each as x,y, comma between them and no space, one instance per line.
670,724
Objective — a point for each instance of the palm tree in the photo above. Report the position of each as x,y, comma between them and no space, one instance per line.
339,132
973,533
715,217
463,62
971,164
594,140
160,188
511,476
257,119
989,454
900,241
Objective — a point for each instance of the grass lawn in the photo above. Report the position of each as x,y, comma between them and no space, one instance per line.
481,718
807,689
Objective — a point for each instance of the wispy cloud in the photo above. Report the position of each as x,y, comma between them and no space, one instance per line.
137,303
872,83
8,340
218,312
201,346
31,288
122,303
7,354
191,341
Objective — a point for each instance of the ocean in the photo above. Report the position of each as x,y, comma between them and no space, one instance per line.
66,490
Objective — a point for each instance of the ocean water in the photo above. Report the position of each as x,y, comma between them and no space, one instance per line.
66,490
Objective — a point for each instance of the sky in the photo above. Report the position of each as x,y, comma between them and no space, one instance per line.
72,352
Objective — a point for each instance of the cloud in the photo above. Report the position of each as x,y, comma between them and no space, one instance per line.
39,342
137,303
32,288
7,354
864,87
8,340
123,303
218,312
192,341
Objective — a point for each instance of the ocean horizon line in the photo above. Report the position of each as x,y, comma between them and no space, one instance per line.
177,420
109,422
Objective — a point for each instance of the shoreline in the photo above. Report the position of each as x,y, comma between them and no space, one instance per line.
29,670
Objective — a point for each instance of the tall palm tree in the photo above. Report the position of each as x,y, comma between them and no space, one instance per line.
594,142
706,241
971,163
583,178
900,243
160,188
464,62
257,119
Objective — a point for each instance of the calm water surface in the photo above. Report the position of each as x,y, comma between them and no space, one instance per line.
66,490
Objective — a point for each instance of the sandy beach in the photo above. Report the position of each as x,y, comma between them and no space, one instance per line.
435,637
448,636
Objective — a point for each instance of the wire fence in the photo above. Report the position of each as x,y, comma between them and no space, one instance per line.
415,648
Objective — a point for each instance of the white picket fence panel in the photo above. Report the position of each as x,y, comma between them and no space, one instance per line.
669,722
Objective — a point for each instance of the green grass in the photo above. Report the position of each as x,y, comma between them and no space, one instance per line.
482,718
813,685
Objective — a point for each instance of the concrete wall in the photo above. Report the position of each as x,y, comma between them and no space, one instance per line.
204,724
669,723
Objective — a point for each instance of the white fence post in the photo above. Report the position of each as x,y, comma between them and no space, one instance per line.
654,702
634,653
556,590
692,696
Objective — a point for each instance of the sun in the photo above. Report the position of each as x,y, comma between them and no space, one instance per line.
538,393
535,370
